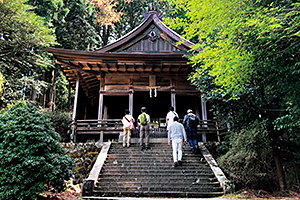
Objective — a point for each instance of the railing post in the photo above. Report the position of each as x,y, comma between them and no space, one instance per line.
218,133
73,133
101,137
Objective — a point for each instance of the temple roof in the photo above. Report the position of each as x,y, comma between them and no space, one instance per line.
151,48
151,36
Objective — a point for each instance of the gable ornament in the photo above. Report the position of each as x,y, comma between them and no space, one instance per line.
152,36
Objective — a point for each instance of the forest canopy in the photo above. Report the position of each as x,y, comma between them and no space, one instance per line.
247,67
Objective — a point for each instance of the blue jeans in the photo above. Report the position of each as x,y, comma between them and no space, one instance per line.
192,137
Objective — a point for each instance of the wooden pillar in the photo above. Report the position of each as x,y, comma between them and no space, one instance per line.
173,99
73,134
76,97
105,112
131,102
197,111
86,103
100,108
173,93
204,117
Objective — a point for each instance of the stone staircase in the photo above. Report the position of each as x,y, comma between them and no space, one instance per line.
129,172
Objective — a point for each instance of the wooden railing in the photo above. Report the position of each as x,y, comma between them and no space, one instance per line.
157,127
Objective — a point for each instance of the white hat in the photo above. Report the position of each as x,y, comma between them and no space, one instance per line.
189,111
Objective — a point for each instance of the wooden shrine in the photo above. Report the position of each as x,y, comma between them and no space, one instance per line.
146,67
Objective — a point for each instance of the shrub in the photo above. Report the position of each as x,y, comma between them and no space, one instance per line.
249,160
61,122
31,157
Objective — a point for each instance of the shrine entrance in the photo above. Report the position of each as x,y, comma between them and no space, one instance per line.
157,107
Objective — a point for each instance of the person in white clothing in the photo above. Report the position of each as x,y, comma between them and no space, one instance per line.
177,135
126,128
170,117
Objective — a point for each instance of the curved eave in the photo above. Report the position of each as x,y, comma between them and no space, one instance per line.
172,34
73,55
128,36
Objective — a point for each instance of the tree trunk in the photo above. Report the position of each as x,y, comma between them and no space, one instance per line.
42,97
51,104
106,30
279,167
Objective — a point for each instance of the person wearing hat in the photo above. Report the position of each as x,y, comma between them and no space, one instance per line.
126,128
191,122
144,121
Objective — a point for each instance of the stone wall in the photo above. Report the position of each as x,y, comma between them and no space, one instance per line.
85,155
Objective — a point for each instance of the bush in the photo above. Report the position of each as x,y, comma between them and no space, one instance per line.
61,122
31,158
250,160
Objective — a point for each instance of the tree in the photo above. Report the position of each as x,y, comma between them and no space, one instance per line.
74,23
23,36
31,157
245,46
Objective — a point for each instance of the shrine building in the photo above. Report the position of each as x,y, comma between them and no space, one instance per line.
145,68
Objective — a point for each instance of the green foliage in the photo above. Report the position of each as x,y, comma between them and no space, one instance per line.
74,24
247,68
31,157
51,10
62,92
23,36
61,122
132,14
77,30
249,159
239,42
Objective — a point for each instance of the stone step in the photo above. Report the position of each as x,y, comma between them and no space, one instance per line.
154,155
133,182
194,179
160,176
145,163
130,172
156,147
169,187
162,166
151,161
178,194
155,171
150,149
155,166
151,152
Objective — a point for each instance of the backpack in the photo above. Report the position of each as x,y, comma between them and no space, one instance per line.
193,121
144,119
